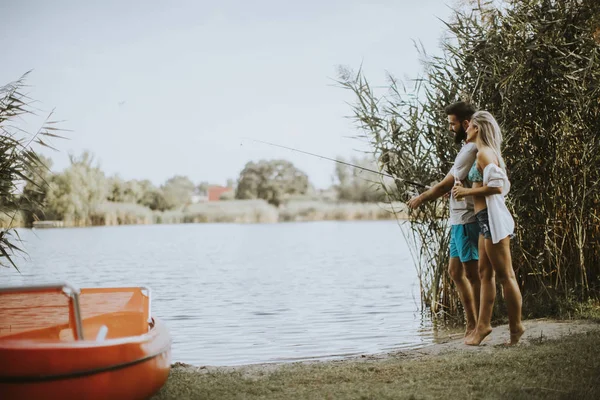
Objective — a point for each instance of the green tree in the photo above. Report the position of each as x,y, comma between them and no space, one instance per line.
77,191
271,181
116,189
120,191
151,196
133,191
203,187
178,191
359,185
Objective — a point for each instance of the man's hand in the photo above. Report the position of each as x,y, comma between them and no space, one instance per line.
415,202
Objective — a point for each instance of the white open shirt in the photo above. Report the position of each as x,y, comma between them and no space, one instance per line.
500,220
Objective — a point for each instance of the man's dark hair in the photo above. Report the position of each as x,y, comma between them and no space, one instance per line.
462,110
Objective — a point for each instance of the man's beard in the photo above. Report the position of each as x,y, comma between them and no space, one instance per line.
460,136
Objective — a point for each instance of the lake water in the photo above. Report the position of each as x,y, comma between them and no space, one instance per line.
238,294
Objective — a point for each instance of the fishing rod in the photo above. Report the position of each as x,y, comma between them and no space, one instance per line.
342,162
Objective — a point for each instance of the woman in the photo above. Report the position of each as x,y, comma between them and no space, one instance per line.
490,186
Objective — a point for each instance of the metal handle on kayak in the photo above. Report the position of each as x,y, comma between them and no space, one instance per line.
66,288
149,294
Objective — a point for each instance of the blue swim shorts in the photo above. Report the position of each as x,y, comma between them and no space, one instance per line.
463,241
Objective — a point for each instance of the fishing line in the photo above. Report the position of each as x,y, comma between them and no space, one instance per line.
341,162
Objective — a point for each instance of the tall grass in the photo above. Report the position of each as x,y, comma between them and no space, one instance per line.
19,162
244,211
110,213
239,211
535,65
325,211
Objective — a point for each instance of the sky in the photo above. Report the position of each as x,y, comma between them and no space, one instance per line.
156,89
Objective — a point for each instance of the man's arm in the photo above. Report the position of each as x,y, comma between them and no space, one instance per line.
435,192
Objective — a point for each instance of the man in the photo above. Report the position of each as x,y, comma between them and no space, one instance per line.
464,234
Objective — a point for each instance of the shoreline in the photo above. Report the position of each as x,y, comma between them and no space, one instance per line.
346,376
537,330
391,219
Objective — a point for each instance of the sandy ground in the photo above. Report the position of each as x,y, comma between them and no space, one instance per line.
537,331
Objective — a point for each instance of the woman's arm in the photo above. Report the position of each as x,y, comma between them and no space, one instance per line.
460,191
484,157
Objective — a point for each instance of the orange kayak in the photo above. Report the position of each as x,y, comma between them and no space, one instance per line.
58,342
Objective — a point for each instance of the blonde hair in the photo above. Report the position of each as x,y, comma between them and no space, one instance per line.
489,133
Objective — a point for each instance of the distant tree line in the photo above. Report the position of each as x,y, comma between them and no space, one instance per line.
73,194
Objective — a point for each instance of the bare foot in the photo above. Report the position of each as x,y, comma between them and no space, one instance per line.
516,335
468,336
469,331
477,337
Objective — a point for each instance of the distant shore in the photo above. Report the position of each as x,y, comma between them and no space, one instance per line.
235,211
555,360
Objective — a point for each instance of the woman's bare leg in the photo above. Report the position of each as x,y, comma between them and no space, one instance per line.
499,255
487,297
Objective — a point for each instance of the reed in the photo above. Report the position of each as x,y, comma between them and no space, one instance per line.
535,65
339,211
238,211
110,213
20,163
243,211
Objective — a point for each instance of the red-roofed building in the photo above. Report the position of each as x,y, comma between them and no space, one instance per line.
215,192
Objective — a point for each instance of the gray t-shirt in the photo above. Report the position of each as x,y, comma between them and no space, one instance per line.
461,212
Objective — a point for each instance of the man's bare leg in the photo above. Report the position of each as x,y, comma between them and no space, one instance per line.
465,292
472,271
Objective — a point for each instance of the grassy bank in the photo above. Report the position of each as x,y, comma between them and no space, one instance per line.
236,211
259,211
567,368
310,210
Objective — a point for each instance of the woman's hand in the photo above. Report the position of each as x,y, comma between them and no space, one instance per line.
458,191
